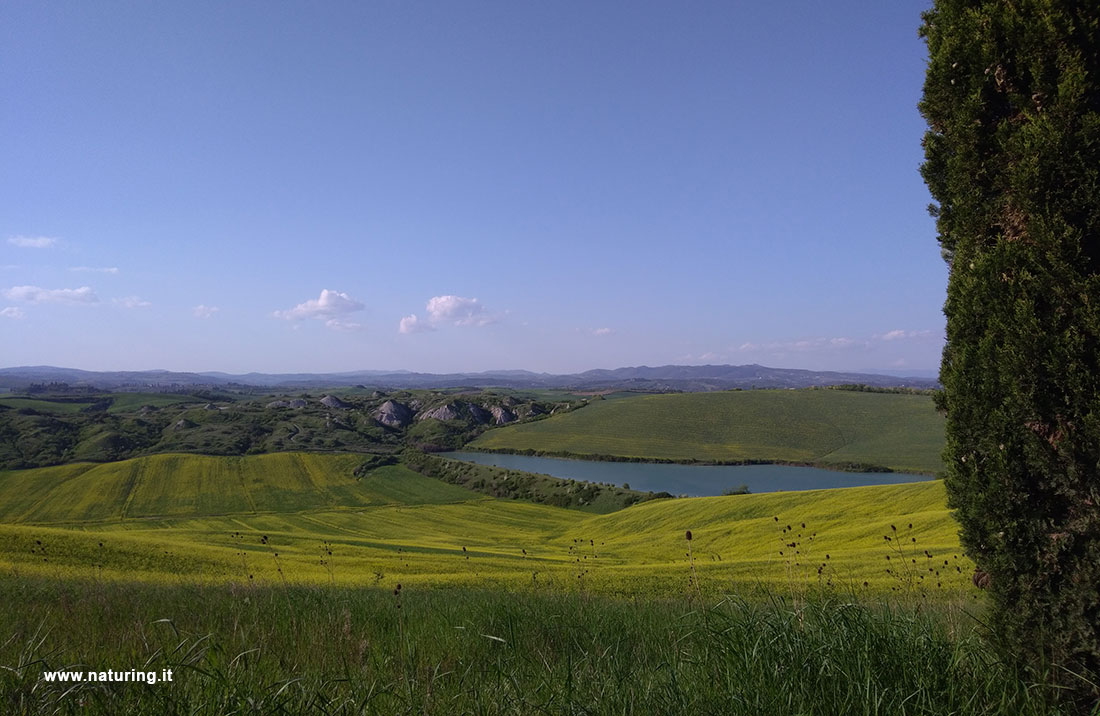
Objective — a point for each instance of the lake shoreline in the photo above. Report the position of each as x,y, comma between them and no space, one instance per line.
858,467
687,479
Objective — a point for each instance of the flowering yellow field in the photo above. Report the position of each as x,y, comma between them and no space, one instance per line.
307,519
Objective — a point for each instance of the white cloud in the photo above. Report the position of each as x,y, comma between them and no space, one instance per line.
461,311
602,331
32,242
327,305
202,311
346,326
34,294
441,310
131,302
93,269
900,334
11,312
412,324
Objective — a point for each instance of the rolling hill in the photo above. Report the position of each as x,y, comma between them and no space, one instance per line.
826,427
173,485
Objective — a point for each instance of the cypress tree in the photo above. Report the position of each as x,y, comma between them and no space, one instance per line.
1012,158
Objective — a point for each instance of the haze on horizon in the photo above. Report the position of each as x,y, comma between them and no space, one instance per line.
456,188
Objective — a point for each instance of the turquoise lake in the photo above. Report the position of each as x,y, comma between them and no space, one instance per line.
693,480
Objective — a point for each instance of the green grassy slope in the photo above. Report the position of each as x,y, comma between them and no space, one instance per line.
127,402
902,432
197,485
45,406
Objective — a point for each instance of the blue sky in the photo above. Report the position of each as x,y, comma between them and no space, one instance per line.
464,186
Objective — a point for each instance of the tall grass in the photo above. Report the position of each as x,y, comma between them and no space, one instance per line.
331,650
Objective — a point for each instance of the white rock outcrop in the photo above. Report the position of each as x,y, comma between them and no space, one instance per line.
443,412
393,414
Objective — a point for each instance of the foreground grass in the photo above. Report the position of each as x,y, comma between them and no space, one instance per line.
902,432
331,650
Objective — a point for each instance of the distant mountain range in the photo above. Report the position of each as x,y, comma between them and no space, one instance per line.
689,378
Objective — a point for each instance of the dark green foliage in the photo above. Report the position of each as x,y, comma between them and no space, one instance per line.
52,428
55,387
864,388
373,462
519,485
439,435
1012,99
29,438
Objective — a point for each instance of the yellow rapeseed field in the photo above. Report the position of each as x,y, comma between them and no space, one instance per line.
298,518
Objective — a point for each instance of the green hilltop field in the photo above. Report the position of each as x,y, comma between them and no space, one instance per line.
309,519
826,427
